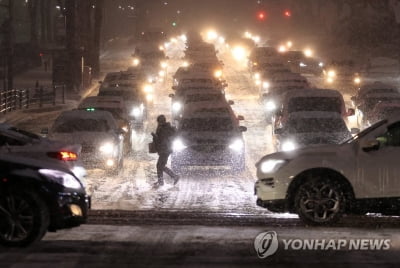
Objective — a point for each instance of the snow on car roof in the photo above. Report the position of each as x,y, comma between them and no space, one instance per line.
206,90
85,114
314,114
102,101
376,85
287,76
381,95
314,92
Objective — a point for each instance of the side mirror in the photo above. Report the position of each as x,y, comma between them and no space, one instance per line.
44,132
171,95
242,129
354,131
351,112
278,131
231,102
370,145
240,117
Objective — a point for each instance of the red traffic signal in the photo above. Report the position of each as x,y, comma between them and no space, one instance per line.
261,15
287,13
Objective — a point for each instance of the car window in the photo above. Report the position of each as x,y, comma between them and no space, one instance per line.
207,124
393,135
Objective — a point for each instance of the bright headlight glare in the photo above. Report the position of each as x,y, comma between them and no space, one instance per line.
288,146
218,73
148,88
301,64
60,177
265,85
331,73
135,62
136,111
256,76
178,145
271,165
176,106
357,80
270,106
236,145
107,148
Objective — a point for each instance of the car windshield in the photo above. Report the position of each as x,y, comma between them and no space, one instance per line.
326,104
313,125
207,124
203,97
82,124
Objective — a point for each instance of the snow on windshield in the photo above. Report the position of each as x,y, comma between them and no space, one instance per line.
207,124
80,124
307,125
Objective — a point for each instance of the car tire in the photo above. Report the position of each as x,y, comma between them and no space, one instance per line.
320,201
30,222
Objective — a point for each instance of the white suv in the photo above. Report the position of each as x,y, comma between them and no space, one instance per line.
323,182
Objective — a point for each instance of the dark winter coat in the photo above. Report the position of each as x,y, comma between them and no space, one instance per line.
163,138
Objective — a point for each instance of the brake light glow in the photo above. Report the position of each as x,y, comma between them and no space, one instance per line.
64,155
68,156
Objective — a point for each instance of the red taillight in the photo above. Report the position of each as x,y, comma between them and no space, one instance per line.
68,156
64,155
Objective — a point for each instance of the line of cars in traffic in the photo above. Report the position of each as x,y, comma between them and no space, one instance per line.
208,130
344,172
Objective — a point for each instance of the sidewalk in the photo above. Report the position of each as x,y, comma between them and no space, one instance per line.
28,79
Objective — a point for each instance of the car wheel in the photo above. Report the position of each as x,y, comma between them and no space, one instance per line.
320,202
25,218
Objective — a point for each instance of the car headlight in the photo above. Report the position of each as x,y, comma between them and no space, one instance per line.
357,80
107,148
176,107
135,62
136,112
178,145
271,165
270,105
60,177
265,85
236,145
288,146
148,89
256,76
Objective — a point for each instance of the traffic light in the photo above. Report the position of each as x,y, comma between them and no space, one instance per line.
261,15
287,13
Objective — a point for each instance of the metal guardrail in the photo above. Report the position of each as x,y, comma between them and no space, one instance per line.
17,99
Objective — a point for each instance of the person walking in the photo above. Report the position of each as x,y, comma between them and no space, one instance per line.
163,143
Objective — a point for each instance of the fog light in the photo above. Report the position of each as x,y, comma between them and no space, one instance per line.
110,162
75,210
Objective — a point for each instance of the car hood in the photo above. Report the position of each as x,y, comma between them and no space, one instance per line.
85,137
320,150
318,137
